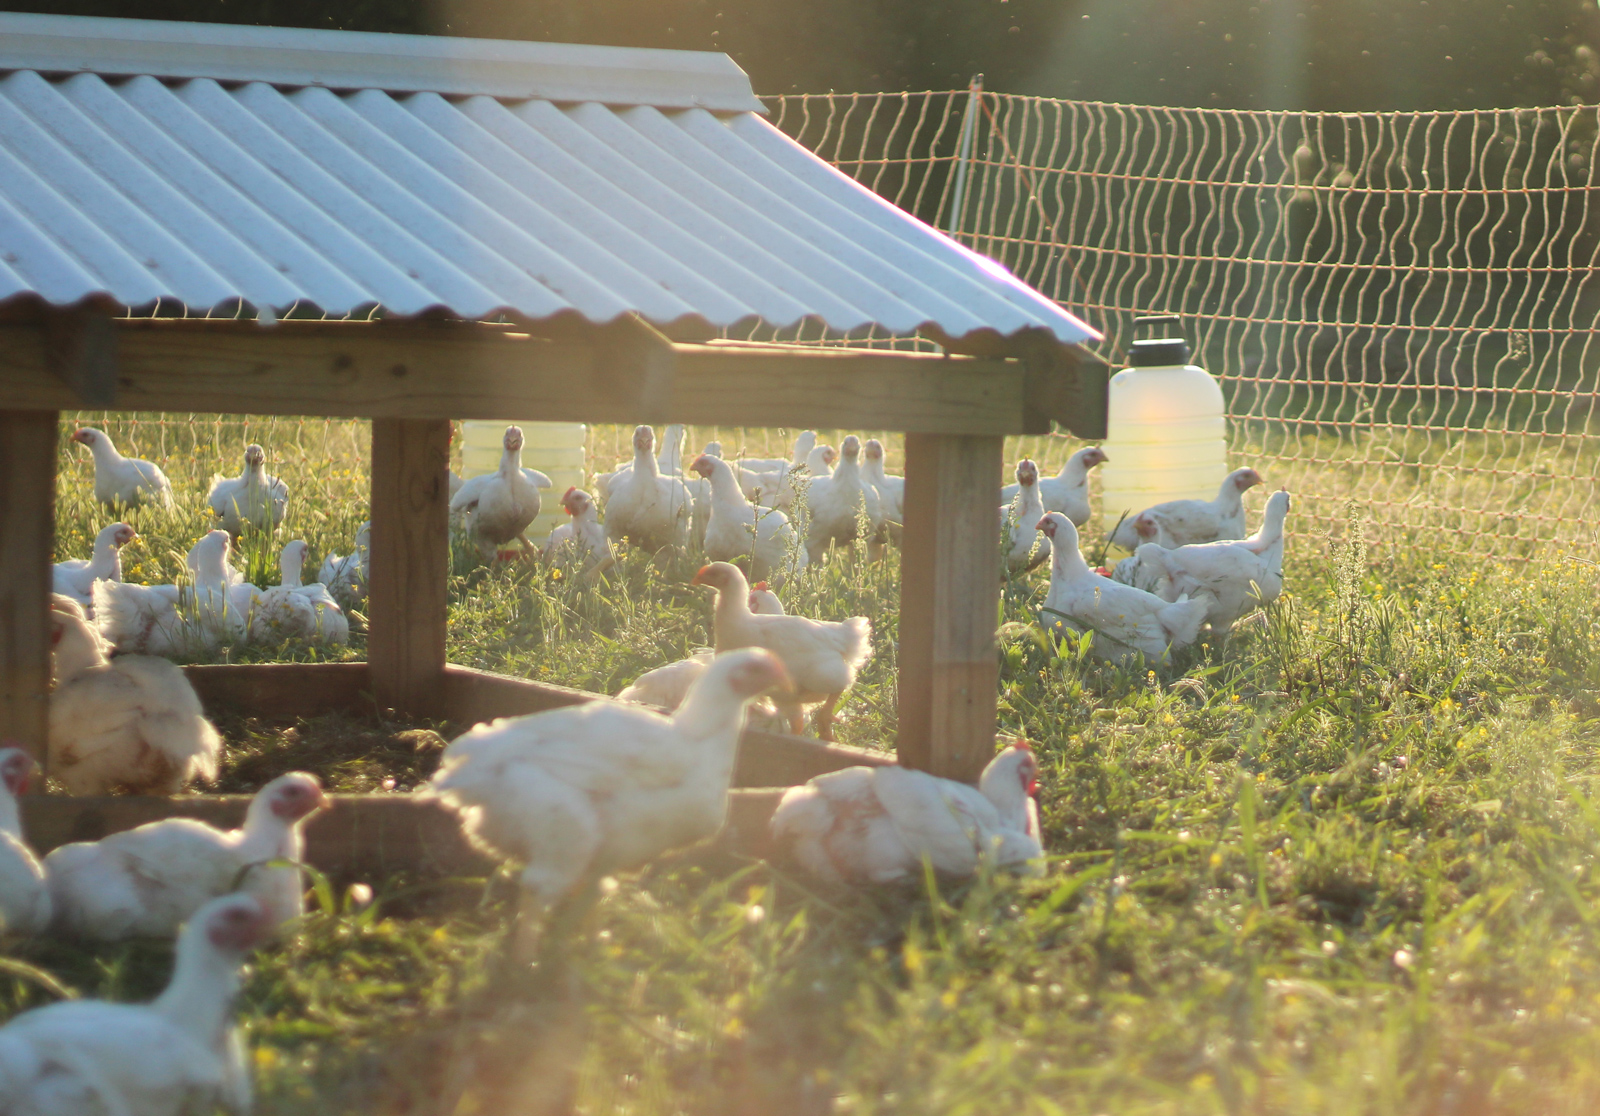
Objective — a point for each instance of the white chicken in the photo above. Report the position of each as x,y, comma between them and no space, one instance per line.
578,792
123,481
177,620
175,1056
803,445
1237,577
148,880
1026,546
24,899
891,490
666,686
495,508
583,531
645,507
1197,521
821,656
131,723
777,488
735,529
251,501
345,575
669,461
290,610
1134,571
75,577
834,504
1124,619
1068,491
873,825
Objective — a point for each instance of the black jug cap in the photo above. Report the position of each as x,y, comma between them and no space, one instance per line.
1158,352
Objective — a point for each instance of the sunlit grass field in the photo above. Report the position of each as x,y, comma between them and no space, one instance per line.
1343,865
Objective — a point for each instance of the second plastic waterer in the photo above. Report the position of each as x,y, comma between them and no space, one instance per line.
1167,432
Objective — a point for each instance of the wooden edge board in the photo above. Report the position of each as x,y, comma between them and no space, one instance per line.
276,690
362,836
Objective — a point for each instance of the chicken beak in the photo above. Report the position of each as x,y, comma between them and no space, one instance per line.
700,576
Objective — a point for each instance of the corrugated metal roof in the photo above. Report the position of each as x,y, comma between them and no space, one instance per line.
275,191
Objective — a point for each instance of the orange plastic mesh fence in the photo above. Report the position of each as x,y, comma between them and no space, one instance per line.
1400,306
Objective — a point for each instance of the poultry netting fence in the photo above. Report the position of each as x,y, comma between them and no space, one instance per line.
1399,305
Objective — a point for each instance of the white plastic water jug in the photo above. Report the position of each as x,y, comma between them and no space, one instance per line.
1166,436
554,448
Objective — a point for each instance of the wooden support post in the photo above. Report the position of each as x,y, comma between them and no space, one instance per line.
409,566
27,527
949,604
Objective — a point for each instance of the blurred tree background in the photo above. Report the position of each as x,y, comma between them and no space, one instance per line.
1282,54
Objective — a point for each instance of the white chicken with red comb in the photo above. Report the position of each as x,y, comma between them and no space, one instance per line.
587,538
24,899
873,825
1125,620
119,481
148,880
576,793
646,506
1196,521
496,508
290,610
75,577
735,529
179,1054
1068,491
1026,547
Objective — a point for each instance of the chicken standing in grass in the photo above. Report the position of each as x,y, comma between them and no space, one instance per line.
1125,620
1236,577
148,880
666,686
835,504
735,529
251,501
176,1056
123,482
75,577
1026,546
132,723
1068,491
891,489
497,508
1197,521
649,509
582,791
873,825
24,899
822,656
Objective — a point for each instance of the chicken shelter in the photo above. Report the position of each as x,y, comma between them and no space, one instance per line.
413,230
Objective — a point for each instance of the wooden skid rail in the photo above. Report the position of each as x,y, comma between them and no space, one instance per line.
466,696
364,836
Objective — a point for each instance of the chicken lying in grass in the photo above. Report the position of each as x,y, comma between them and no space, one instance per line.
177,620
24,899
582,534
147,881
872,825
1236,577
822,656
1068,491
252,500
75,577
123,482
174,1056
1125,620
345,575
290,610
132,723
1197,521
578,792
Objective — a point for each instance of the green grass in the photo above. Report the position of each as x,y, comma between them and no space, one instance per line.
1344,865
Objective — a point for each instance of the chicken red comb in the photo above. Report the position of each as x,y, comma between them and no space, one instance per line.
1022,745
759,585
565,495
